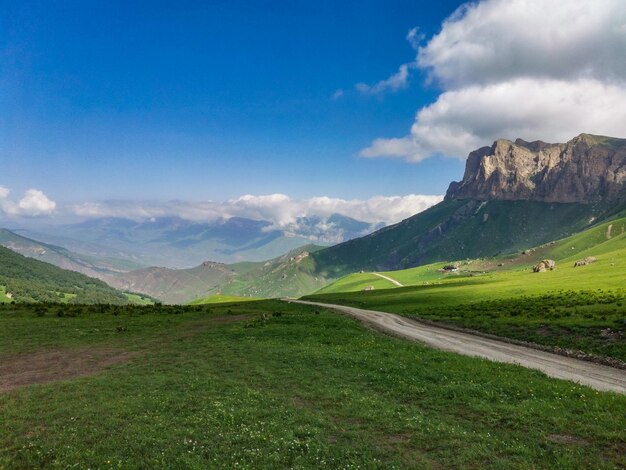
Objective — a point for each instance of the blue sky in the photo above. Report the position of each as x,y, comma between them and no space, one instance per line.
209,100
185,102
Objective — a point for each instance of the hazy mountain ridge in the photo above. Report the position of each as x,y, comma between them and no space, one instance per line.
292,274
91,265
174,285
179,243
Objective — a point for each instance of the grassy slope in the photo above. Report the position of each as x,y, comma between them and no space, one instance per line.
294,389
31,280
513,301
221,299
292,274
138,299
456,230
512,276
3,295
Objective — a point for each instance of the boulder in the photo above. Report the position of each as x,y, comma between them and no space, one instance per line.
586,261
545,265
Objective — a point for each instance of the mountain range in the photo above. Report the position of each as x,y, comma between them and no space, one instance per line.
179,243
514,195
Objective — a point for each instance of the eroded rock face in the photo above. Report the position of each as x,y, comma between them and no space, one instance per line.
587,169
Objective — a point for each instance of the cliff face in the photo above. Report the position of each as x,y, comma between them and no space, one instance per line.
587,169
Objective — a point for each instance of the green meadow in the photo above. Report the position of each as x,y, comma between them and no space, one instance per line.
582,308
269,384
221,299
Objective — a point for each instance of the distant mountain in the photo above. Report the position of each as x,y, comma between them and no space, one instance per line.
174,285
90,265
513,195
292,274
178,243
24,279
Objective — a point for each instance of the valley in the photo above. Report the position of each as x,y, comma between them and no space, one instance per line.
250,235
474,318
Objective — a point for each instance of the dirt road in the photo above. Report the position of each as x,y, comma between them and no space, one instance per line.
597,376
393,281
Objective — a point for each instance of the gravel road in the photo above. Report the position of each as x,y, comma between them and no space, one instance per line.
393,281
597,376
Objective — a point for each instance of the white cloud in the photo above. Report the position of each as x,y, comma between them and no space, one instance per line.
396,82
471,117
497,40
536,69
415,37
279,209
34,203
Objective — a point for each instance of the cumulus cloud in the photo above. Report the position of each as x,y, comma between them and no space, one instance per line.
34,203
497,40
279,209
471,117
536,69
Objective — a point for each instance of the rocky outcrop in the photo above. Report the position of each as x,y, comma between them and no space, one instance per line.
587,169
545,265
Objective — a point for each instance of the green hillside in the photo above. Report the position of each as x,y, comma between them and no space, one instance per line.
175,286
293,274
580,307
457,229
608,245
448,231
28,280
221,299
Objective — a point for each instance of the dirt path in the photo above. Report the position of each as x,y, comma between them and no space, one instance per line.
393,281
596,376
49,366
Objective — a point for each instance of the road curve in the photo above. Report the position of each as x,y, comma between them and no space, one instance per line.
390,279
597,376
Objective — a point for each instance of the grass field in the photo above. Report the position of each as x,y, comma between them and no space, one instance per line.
221,299
139,299
3,295
572,307
267,384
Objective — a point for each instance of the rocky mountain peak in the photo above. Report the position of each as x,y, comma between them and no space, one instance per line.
587,169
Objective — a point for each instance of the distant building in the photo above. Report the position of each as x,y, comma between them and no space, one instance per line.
450,268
